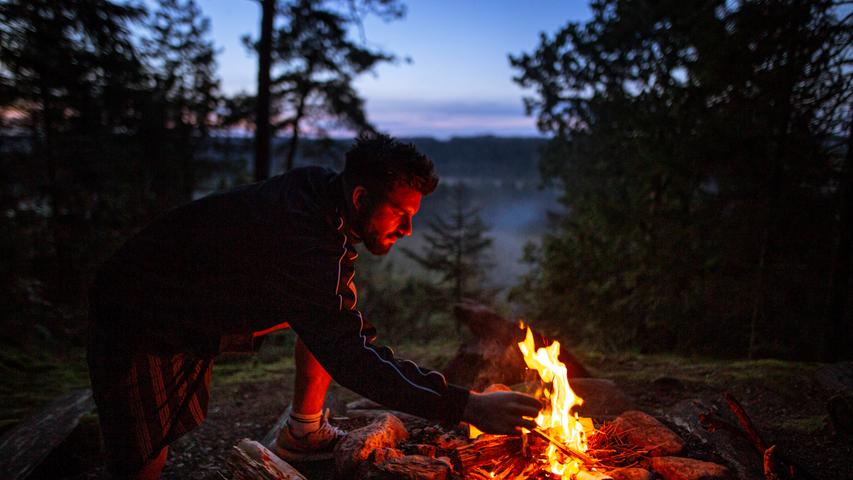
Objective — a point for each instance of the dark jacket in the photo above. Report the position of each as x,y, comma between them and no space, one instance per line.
238,262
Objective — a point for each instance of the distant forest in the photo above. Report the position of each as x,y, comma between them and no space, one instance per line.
472,158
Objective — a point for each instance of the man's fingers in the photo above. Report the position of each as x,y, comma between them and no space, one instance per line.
528,400
523,410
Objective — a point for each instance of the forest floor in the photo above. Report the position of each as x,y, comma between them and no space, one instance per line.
786,400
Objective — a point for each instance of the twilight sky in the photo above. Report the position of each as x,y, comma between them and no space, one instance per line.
459,82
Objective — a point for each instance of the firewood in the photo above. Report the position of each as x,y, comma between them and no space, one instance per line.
586,475
249,460
745,423
567,450
477,474
487,449
22,448
776,465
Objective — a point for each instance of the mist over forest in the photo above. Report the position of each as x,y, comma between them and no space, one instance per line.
500,175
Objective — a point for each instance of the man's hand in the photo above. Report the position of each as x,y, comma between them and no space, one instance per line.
501,413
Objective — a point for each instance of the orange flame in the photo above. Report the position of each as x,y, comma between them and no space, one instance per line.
556,419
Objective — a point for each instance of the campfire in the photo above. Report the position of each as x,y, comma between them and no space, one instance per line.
559,446
618,442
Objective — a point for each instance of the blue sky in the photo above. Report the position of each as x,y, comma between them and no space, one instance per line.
459,81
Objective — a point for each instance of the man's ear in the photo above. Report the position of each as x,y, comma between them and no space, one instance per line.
359,193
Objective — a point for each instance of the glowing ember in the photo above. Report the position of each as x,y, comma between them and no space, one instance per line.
556,418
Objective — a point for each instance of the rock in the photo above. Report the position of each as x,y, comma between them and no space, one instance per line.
836,377
677,468
491,355
601,397
667,384
386,431
631,474
841,413
734,449
647,433
409,467
483,361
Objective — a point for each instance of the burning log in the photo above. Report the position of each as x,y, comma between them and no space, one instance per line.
385,432
409,466
486,450
566,449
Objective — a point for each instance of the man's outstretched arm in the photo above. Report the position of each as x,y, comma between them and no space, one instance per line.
336,339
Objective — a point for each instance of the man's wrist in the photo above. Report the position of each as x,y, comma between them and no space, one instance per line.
469,415
458,399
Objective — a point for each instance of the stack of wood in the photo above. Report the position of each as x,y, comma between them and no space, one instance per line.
513,457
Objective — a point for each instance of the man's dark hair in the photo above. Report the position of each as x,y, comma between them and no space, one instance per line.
380,163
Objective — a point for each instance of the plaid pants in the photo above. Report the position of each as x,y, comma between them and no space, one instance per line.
145,401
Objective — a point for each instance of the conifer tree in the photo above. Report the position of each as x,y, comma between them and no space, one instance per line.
313,62
182,61
696,146
457,249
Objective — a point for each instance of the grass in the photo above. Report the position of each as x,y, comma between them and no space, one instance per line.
777,375
32,377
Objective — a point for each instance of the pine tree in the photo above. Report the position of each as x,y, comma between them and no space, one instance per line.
457,249
72,82
694,144
181,58
312,65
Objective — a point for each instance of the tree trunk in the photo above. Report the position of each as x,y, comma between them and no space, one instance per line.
263,129
768,240
836,332
294,136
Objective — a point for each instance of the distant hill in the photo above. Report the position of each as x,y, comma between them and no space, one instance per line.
513,158
483,158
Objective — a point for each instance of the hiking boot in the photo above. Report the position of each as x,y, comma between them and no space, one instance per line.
316,445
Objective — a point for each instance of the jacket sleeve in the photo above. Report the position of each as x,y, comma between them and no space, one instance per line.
338,336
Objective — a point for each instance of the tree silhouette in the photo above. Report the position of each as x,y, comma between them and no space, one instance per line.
457,249
696,147
183,68
263,127
312,65
103,119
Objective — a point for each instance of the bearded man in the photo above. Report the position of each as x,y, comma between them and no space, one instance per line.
219,273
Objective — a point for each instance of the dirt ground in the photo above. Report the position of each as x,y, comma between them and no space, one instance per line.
786,400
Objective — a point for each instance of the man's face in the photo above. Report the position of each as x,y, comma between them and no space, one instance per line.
390,220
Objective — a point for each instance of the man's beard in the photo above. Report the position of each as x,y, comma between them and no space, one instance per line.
369,235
